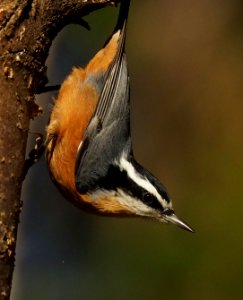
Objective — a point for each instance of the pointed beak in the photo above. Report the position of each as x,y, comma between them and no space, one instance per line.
170,217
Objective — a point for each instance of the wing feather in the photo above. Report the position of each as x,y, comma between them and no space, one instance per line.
108,132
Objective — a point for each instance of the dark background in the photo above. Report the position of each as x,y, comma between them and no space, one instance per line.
186,65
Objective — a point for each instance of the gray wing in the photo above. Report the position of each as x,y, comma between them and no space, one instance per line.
108,133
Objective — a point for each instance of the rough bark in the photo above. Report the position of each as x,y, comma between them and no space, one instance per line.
27,28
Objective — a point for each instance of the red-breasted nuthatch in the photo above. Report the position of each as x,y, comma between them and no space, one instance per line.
89,147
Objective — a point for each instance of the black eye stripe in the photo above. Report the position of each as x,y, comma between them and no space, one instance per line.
151,201
148,198
116,179
154,181
168,212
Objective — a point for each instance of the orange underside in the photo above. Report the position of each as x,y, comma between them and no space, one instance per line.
71,114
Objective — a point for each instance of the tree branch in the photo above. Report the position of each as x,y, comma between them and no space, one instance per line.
27,29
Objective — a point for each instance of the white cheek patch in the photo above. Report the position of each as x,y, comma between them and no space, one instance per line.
141,181
136,206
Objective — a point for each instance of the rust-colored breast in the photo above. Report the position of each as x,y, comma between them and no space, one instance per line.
71,114
106,205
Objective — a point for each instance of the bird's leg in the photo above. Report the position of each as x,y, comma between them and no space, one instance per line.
35,154
49,88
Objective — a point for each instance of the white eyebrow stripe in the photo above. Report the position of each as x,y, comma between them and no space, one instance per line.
136,177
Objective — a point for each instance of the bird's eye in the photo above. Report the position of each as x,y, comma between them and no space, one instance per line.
149,198
151,201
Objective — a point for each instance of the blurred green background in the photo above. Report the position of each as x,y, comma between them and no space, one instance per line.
186,65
